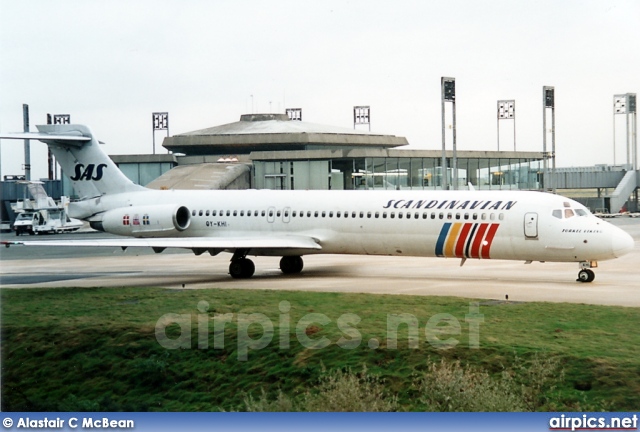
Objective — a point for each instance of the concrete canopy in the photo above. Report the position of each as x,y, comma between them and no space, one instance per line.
274,132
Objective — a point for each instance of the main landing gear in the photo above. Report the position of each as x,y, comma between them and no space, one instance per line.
586,274
243,268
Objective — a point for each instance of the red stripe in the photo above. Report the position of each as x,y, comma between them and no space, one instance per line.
486,245
462,240
475,249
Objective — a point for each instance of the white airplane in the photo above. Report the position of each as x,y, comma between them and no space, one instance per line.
509,225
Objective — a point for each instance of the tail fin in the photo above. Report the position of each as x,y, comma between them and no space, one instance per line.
91,172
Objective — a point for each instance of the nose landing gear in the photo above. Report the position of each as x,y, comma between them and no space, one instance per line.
586,274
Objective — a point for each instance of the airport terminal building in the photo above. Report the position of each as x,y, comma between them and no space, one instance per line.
289,154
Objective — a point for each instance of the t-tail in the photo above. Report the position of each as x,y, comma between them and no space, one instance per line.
91,172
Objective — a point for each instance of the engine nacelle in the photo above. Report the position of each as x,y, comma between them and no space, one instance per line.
145,221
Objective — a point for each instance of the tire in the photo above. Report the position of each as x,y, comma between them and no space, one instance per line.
242,268
291,264
586,275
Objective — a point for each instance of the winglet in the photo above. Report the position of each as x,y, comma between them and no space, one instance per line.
471,188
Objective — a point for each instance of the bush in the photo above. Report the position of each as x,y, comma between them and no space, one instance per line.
337,391
450,387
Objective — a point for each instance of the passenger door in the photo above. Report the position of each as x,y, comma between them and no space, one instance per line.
531,226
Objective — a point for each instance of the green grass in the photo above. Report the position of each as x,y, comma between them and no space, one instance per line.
96,349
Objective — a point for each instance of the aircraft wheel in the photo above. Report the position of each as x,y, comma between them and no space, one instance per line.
291,264
242,268
586,275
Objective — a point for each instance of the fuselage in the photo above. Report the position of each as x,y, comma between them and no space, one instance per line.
512,225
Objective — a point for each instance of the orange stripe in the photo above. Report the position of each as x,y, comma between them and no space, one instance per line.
451,241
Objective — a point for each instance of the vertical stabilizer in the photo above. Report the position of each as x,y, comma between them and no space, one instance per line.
91,172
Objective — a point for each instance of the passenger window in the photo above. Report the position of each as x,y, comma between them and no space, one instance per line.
492,216
393,215
449,215
475,216
235,212
424,215
193,213
346,215
308,214
294,213
399,215
255,213
568,213
441,215
338,214
270,213
457,215
286,213
361,215
324,214
315,214
228,212
377,215
384,215
484,216
330,214
200,213
466,216
433,215
557,214
241,212
353,214
213,213
501,216
263,213
207,213
368,215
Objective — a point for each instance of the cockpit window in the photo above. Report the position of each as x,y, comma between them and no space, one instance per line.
581,212
568,213
557,213
566,204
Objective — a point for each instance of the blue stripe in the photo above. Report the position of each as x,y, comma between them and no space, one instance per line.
441,239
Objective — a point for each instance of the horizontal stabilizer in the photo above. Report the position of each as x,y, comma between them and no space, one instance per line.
51,137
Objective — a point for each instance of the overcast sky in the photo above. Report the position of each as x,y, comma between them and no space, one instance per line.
110,64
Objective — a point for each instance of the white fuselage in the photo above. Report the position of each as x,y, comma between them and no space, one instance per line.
511,225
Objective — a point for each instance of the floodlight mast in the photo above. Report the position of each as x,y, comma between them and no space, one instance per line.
626,104
159,121
448,94
52,165
548,103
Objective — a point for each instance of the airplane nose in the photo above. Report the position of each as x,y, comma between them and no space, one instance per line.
622,243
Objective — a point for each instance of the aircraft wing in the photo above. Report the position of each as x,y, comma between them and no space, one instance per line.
201,243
